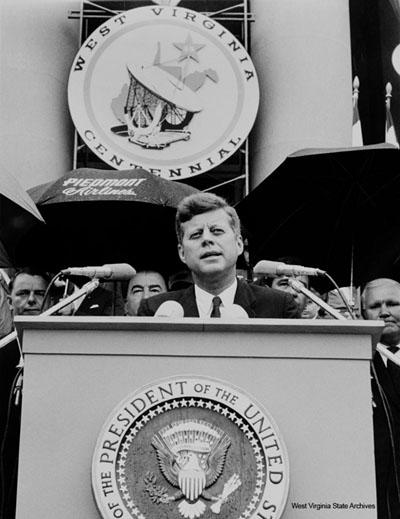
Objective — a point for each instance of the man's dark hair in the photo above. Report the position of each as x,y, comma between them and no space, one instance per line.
125,284
200,203
31,271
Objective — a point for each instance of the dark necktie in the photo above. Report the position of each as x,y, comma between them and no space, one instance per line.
394,369
216,302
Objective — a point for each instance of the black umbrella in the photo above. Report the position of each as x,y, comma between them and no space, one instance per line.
97,216
18,214
336,209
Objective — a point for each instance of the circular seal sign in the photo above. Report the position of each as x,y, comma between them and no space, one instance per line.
190,447
163,88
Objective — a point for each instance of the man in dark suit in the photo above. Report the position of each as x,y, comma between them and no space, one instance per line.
25,295
209,243
381,301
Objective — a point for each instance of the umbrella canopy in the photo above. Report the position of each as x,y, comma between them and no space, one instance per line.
18,214
105,216
336,209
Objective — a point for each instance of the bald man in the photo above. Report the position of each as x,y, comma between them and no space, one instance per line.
380,300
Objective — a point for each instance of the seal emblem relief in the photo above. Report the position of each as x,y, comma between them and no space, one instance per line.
163,88
190,447
191,456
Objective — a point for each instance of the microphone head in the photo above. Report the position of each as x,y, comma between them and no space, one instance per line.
233,312
276,268
267,267
171,309
119,272
110,272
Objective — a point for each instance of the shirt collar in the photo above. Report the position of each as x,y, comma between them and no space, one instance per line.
385,358
204,299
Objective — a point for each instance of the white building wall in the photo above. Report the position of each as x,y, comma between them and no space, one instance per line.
301,49
38,44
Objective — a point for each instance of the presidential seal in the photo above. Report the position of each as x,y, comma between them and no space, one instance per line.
163,88
190,447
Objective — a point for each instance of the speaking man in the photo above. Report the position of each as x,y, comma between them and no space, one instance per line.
380,300
209,243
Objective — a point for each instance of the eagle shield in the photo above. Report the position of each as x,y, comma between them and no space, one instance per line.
191,456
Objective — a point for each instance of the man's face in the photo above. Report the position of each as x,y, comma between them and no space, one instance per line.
282,283
310,310
141,286
27,294
382,302
209,244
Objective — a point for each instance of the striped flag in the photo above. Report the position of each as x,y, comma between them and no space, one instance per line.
390,132
357,138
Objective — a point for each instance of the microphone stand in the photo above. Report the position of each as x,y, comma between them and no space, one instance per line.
8,338
299,287
86,289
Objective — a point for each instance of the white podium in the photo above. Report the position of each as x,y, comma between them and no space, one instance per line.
313,377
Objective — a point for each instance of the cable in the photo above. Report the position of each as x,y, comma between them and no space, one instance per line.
49,287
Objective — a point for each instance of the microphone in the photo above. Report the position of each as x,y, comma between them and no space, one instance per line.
276,268
233,312
111,272
171,309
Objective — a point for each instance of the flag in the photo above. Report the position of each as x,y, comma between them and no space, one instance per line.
390,131
357,138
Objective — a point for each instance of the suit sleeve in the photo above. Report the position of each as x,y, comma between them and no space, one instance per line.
291,310
144,309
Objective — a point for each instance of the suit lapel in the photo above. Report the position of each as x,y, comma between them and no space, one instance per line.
245,298
188,301
384,379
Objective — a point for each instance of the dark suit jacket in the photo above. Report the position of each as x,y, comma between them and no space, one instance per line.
386,419
101,302
10,419
257,301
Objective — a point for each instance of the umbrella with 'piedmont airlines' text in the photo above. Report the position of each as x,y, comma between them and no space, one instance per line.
96,216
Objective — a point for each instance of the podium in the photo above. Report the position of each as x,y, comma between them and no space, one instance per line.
312,377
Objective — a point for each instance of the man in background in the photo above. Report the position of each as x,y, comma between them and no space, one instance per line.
282,282
380,300
27,290
143,284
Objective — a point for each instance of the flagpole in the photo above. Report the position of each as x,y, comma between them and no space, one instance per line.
388,94
390,131
357,139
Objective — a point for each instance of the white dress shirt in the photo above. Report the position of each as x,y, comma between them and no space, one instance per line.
204,299
397,354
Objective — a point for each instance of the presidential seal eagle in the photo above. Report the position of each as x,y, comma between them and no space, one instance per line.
191,455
